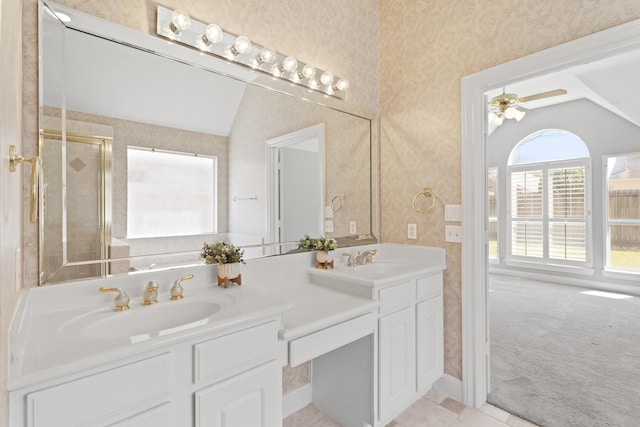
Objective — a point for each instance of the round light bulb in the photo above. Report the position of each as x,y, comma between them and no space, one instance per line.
242,44
308,71
180,20
510,113
213,33
267,55
290,64
326,78
313,84
342,84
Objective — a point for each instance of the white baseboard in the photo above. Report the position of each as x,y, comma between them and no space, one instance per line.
296,399
449,385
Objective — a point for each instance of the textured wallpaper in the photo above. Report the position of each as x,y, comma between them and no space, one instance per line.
426,47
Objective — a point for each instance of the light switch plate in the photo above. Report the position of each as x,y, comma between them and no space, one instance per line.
453,213
412,231
328,212
328,226
453,233
352,227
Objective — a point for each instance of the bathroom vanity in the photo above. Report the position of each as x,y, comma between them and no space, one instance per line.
373,335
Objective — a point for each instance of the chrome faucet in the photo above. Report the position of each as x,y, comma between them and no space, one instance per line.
366,257
150,295
176,289
122,299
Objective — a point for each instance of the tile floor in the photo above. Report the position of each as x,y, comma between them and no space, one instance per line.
435,409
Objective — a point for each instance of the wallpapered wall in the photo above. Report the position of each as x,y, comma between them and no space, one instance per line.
426,47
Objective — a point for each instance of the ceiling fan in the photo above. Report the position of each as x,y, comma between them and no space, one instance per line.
507,105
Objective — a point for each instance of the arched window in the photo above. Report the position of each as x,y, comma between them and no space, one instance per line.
549,201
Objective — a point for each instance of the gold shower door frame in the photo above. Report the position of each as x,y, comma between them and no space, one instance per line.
105,200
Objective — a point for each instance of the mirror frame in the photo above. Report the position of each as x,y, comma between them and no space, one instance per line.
160,46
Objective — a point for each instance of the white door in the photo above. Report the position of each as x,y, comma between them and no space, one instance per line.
253,398
397,364
429,344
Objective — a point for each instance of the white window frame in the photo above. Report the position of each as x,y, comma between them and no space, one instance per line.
494,219
607,269
545,260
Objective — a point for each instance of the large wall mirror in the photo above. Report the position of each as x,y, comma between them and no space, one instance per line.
149,149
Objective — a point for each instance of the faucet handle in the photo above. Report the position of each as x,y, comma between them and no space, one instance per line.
122,299
176,289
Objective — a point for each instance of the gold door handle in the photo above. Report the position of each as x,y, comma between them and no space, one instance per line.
14,159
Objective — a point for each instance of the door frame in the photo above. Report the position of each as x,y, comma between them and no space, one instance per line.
475,345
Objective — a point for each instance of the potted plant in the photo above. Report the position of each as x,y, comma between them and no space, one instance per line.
228,257
323,245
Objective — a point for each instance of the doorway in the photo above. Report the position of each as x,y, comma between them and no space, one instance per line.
296,184
476,352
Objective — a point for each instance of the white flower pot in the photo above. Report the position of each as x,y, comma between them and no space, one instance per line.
229,271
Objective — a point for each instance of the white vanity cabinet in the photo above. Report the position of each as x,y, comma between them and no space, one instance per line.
410,342
230,379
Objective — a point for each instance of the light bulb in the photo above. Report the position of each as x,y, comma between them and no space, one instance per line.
242,44
180,21
313,84
294,77
342,84
308,71
519,114
212,34
510,113
290,64
267,55
326,78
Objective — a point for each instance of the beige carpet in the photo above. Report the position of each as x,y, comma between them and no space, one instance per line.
563,358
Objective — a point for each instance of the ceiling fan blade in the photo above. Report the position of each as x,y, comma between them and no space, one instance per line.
543,95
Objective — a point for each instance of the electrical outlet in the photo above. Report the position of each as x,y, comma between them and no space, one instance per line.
453,233
412,231
453,213
328,226
352,227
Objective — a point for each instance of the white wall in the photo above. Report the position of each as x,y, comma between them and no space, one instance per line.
604,133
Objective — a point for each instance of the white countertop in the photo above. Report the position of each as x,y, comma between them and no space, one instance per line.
43,347
317,307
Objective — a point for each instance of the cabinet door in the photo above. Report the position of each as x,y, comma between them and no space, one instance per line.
430,346
397,364
252,398
159,416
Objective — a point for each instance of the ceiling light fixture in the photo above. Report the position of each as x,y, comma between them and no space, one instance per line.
178,26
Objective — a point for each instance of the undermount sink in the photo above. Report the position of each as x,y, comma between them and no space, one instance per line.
143,322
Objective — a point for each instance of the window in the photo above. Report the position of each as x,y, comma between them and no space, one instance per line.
549,214
170,194
492,212
623,207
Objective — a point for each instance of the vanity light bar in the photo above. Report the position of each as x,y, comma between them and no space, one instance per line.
178,26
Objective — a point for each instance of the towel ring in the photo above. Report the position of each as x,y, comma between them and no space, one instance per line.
337,202
427,192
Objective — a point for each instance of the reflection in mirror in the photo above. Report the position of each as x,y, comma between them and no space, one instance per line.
158,113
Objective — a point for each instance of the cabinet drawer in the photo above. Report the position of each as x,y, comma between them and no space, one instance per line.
429,287
396,297
232,353
325,340
87,399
